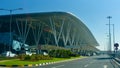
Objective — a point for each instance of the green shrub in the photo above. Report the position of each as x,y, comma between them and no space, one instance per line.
47,57
21,56
52,53
34,57
60,53
74,55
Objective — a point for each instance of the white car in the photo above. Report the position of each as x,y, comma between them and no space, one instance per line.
8,54
28,53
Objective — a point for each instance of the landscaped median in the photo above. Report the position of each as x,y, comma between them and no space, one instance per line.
19,63
54,56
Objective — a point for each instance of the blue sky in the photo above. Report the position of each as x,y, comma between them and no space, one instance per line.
92,12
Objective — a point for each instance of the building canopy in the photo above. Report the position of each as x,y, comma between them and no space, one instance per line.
56,28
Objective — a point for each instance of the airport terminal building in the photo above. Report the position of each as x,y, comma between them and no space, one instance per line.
61,29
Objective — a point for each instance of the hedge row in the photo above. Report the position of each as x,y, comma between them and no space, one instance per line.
53,53
34,57
62,54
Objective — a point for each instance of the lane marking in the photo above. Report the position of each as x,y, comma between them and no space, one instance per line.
86,65
58,66
105,66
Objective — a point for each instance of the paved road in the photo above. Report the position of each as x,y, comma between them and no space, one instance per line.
102,61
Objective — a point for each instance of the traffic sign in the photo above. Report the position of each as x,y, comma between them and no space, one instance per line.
116,45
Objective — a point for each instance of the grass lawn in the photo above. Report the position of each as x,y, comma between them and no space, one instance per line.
19,62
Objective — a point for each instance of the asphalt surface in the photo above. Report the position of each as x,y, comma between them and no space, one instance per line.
102,61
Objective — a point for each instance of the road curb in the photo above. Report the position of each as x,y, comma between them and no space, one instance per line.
28,65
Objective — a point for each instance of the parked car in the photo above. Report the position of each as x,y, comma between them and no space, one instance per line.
8,54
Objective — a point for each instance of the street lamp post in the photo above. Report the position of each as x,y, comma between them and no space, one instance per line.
113,33
11,10
113,36
109,17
